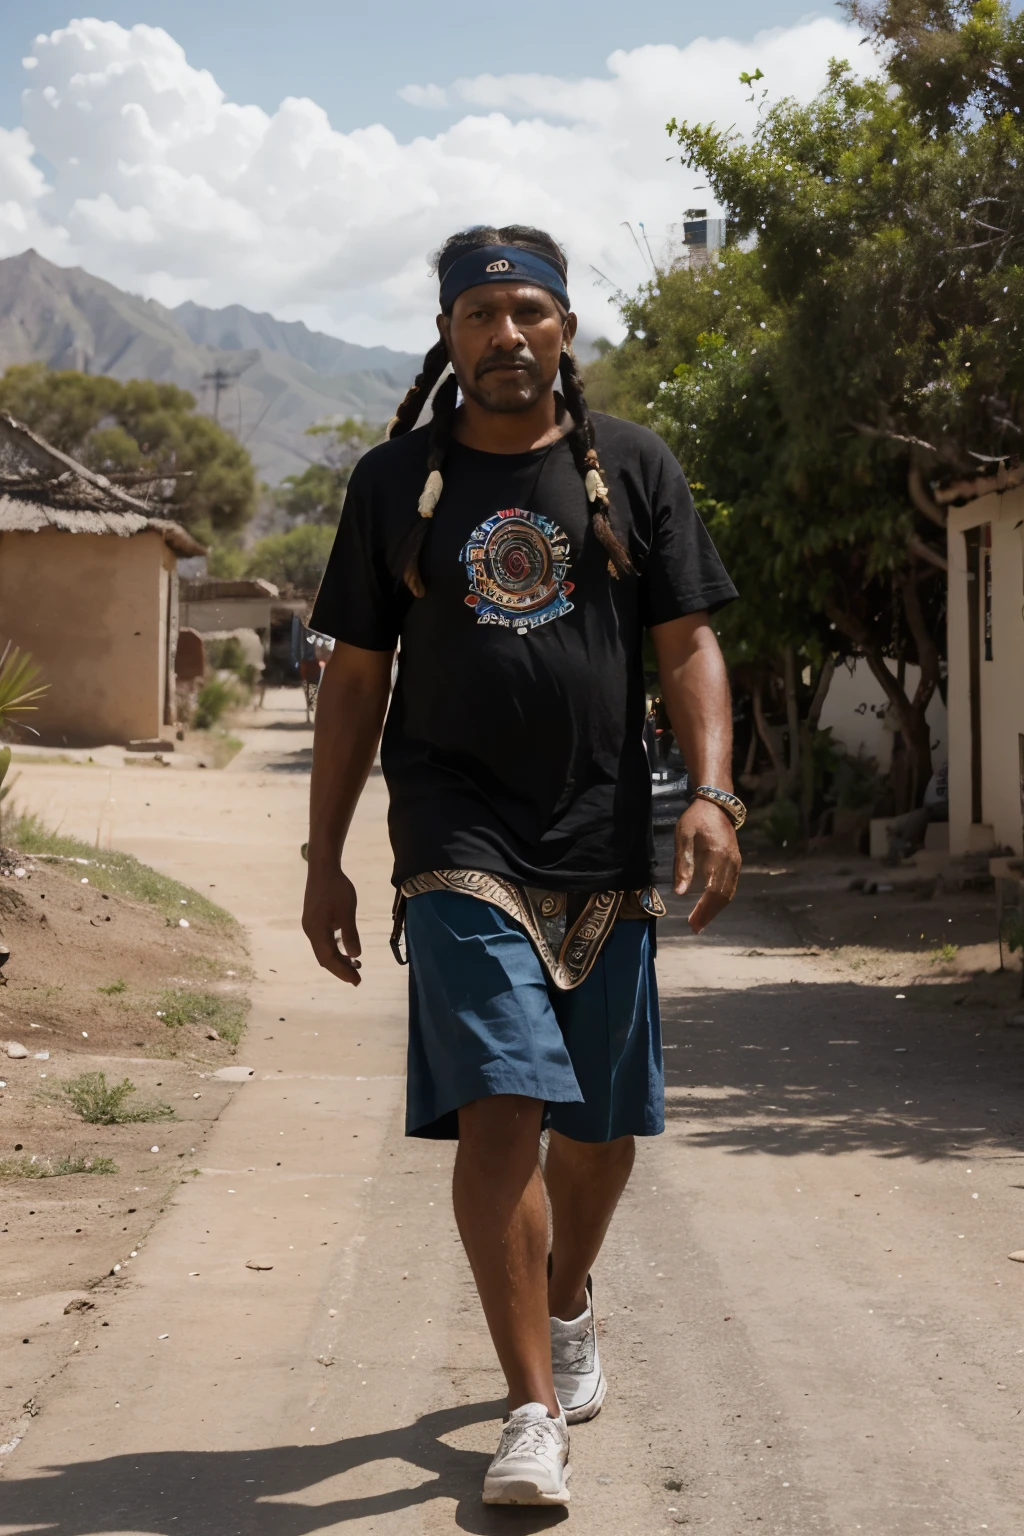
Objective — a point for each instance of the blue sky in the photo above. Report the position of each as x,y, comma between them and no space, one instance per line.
353,58
305,157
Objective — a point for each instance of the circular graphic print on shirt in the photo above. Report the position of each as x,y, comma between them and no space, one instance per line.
516,562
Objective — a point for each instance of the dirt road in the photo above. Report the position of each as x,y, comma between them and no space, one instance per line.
808,1315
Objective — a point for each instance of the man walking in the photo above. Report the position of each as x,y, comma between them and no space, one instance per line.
514,551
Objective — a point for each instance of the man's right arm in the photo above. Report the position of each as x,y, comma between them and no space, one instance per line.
350,708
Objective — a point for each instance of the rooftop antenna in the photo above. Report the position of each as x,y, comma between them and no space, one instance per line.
650,253
627,225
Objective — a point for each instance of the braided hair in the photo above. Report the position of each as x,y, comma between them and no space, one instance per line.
436,364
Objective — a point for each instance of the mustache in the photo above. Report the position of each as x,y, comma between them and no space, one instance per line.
523,359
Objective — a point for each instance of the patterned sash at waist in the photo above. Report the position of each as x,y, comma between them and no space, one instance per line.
567,929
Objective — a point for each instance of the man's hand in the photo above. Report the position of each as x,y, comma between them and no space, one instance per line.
706,853
330,908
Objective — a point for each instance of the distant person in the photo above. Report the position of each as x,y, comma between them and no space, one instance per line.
518,548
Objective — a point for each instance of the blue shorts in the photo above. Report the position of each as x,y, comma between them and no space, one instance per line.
484,1019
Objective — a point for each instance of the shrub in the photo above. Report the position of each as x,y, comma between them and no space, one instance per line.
783,823
226,655
213,700
101,1103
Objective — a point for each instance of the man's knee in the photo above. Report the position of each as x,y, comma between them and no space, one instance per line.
595,1155
503,1125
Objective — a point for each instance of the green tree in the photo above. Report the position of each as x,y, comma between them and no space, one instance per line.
318,494
851,364
139,433
296,558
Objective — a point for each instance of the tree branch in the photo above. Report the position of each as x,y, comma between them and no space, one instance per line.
893,437
924,641
920,494
919,548
825,677
763,730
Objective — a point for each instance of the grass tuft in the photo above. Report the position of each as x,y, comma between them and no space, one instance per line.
118,873
120,985
102,1103
212,1010
26,1167
945,954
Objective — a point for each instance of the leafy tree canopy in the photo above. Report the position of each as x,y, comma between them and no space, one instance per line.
293,559
317,495
137,430
852,360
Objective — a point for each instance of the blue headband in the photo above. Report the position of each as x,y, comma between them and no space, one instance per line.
501,264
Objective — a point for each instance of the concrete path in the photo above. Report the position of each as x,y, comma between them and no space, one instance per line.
808,1316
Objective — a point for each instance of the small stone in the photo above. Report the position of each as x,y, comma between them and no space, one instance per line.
183,922
258,1264
211,1034
15,1051
42,1055
1017,1257
154,1149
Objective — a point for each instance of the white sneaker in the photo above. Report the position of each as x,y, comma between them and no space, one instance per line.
532,1461
576,1364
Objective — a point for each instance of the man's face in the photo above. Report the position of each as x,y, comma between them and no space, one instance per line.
505,340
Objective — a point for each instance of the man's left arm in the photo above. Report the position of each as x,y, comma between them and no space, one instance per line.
695,688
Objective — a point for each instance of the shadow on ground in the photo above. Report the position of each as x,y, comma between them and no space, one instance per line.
255,1492
298,761
280,725
833,1067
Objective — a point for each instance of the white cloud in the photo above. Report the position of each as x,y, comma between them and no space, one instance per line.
163,186
424,95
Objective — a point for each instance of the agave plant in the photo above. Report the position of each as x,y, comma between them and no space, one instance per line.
19,685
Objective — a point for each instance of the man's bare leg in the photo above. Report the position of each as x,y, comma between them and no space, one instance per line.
502,1218
584,1180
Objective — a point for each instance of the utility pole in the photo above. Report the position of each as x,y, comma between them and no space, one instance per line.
220,378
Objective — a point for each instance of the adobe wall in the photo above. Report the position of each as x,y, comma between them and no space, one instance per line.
91,609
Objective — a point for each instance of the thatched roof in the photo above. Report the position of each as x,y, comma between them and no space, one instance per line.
40,487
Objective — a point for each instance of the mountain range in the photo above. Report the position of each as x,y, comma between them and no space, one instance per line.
266,379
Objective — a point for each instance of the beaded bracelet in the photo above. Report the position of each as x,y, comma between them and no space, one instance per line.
732,805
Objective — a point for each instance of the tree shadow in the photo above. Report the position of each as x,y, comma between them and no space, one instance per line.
834,1067
252,1492
298,761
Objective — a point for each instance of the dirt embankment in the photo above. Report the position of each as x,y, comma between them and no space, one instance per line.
113,970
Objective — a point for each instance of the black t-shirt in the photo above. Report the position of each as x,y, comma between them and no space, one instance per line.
514,741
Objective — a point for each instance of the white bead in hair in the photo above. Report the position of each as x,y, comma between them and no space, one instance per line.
431,493
595,486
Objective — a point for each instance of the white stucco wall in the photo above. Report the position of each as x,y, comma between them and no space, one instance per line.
858,712
1001,679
